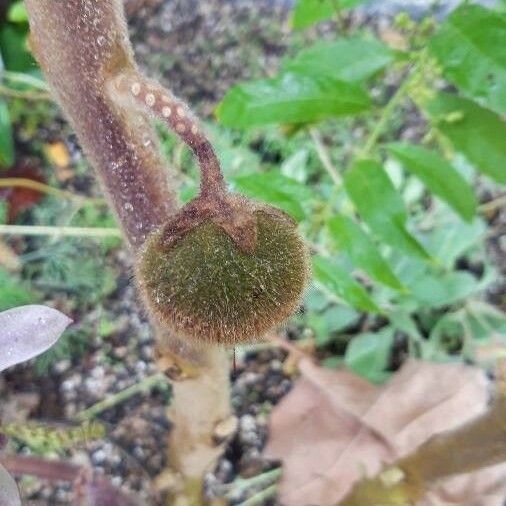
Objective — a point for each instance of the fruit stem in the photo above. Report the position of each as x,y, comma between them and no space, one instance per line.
134,90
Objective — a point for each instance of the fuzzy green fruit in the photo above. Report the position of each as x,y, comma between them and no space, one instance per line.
207,288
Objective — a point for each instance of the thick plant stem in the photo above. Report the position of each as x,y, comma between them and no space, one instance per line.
82,47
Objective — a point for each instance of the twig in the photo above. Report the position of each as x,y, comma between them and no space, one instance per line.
141,387
26,95
30,184
20,77
39,230
324,156
45,469
387,112
493,204
261,497
260,479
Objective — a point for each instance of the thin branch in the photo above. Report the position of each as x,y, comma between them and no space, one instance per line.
493,205
25,95
39,230
324,156
141,387
387,112
30,184
260,479
261,497
45,469
20,77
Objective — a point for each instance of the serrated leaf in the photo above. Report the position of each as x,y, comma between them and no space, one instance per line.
353,59
471,48
6,137
307,12
476,132
276,189
337,281
368,354
362,250
28,331
290,98
438,176
380,206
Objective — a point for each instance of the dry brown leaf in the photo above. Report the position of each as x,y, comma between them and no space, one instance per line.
8,258
334,427
58,154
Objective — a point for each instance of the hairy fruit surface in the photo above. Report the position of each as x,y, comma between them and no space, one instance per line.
210,285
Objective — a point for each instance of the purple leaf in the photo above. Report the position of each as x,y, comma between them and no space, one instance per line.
28,331
9,495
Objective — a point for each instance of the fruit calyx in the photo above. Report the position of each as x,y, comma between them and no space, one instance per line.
234,213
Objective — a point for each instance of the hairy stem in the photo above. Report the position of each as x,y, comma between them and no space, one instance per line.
133,89
83,48
81,45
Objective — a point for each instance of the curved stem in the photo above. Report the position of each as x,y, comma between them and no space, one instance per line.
134,90
31,184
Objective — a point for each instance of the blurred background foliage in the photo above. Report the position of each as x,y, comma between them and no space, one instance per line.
389,151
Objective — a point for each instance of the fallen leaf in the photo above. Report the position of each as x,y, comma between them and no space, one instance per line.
334,427
19,199
8,257
394,39
58,154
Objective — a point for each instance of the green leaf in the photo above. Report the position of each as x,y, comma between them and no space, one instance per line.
308,12
295,167
333,320
439,176
476,132
338,282
353,59
13,293
6,137
276,189
449,241
471,48
17,12
13,48
369,354
484,321
362,251
435,290
290,98
380,206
